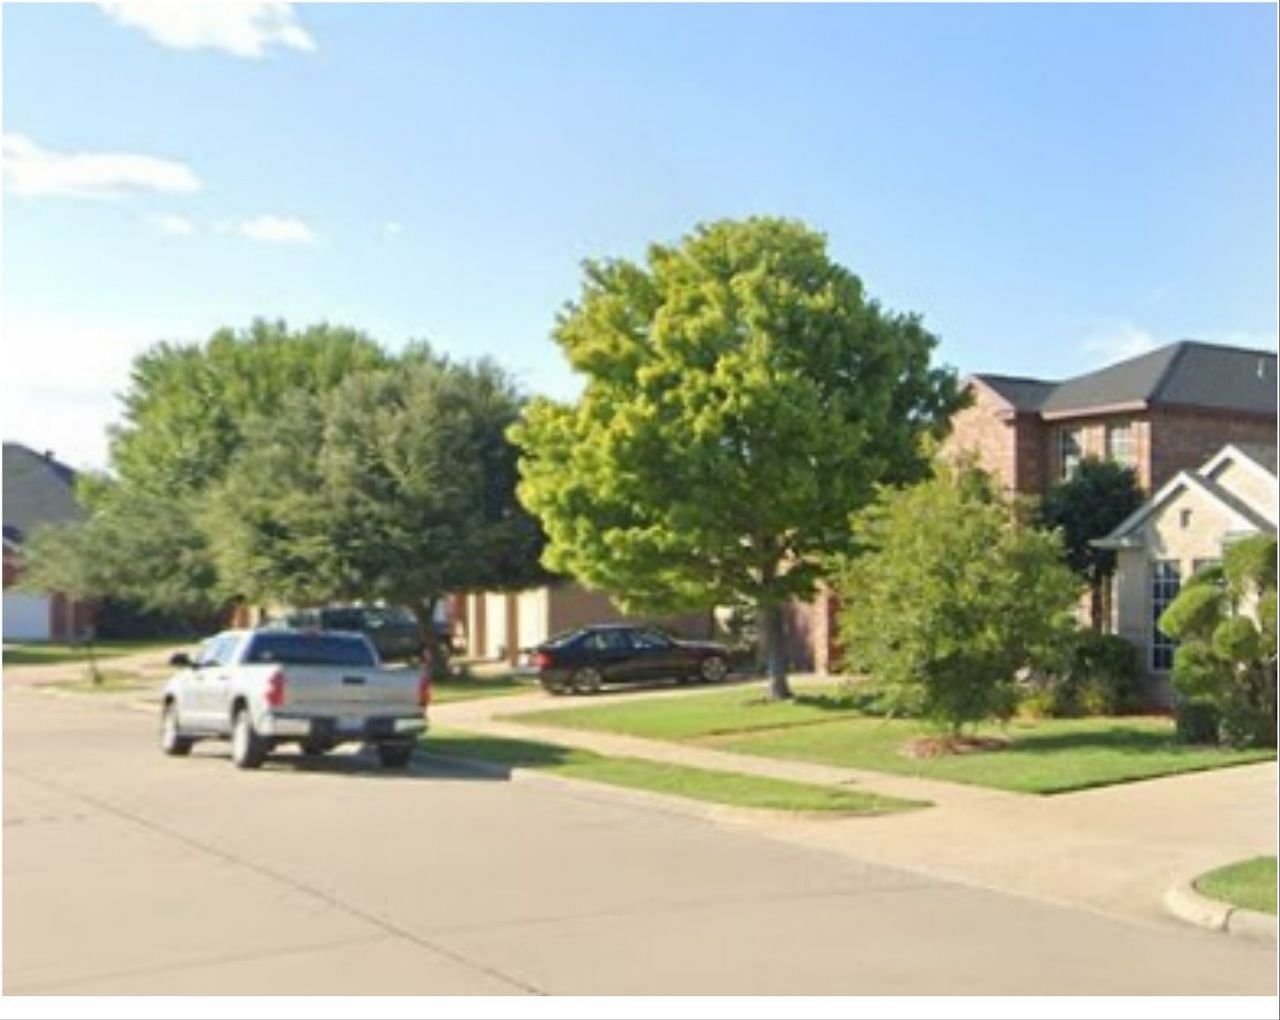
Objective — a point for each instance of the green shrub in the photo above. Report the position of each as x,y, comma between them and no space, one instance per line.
1225,621
1096,674
1196,722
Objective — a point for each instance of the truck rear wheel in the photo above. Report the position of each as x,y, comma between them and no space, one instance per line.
248,748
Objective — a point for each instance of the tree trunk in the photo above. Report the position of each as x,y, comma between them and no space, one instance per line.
434,656
775,643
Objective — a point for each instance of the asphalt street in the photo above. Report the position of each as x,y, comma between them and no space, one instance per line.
128,872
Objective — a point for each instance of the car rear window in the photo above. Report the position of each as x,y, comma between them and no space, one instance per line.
565,637
310,650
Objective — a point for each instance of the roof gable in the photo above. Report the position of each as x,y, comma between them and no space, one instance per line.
1249,515
1021,393
37,490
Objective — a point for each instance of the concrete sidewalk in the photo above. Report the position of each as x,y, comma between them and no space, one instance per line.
1115,850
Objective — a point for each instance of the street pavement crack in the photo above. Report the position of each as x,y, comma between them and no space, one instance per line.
46,987
302,887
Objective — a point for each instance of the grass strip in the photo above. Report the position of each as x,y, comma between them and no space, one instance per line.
1249,884
734,788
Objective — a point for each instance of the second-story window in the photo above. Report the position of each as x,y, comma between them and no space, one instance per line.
1069,451
1120,446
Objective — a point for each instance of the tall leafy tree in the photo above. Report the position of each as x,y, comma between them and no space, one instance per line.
1089,505
743,395
184,414
399,485
952,594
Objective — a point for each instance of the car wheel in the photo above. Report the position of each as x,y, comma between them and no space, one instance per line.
248,749
172,741
586,680
713,669
394,756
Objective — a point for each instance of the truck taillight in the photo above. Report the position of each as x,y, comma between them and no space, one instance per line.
541,660
275,689
424,689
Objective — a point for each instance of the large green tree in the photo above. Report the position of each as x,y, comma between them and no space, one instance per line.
183,420
398,484
1087,506
953,594
742,396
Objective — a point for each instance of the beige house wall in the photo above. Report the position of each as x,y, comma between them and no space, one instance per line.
494,645
499,624
1190,527
533,616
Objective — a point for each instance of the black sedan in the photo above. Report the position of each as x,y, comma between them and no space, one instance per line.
583,660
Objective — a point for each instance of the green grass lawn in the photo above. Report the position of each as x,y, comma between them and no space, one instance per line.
53,654
478,686
727,711
1248,884
1044,756
700,784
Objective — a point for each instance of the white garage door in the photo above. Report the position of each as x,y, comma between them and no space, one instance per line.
26,617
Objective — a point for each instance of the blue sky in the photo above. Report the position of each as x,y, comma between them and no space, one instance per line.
1050,187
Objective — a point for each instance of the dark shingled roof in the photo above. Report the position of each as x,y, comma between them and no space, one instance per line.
1024,394
37,490
1186,373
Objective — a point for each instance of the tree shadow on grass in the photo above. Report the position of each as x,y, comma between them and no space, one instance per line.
1127,741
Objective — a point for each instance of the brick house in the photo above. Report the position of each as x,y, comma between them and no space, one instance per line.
1162,412
37,490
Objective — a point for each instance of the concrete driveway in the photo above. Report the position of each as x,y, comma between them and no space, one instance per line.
126,872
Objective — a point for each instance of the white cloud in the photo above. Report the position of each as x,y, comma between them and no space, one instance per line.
242,29
392,229
61,376
172,224
271,228
1117,341
30,169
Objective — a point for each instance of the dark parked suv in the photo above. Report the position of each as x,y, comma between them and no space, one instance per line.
583,660
393,631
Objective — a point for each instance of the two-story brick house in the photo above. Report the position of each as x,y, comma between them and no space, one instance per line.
1162,412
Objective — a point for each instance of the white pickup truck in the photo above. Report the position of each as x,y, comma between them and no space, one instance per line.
316,689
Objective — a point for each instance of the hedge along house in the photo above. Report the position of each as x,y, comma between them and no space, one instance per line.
1184,527
497,625
37,490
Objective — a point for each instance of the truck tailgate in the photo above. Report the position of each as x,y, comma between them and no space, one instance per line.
350,691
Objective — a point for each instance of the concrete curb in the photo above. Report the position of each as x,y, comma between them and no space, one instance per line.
1184,903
